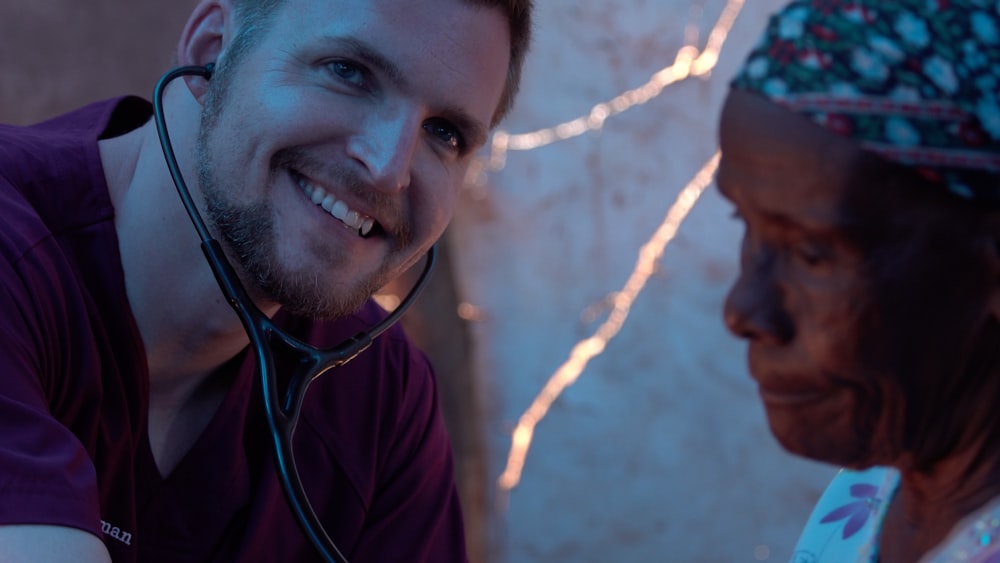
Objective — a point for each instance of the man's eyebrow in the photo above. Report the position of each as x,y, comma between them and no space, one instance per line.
474,131
371,56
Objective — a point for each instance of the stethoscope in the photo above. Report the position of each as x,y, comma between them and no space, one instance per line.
282,415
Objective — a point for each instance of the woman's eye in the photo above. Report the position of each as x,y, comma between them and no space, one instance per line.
446,132
810,254
348,71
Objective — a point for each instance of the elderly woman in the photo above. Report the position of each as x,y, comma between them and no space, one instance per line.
861,148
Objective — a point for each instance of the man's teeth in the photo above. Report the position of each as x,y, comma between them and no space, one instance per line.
350,218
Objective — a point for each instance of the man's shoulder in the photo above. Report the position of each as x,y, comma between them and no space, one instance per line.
100,119
65,143
23,145
51,177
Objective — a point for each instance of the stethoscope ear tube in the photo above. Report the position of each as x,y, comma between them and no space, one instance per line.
266,338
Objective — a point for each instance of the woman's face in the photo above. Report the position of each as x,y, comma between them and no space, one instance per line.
861,296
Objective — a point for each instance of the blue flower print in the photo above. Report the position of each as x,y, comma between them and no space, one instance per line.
858,512
984,28
887,48
869,66
913,30
900,133
775,87
942,73
791,28
989,116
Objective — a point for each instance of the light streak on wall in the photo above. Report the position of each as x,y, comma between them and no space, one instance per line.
688,63
587,349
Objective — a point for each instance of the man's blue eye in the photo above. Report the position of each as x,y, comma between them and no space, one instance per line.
446,132
348,71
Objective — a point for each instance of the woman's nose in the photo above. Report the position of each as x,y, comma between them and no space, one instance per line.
755,306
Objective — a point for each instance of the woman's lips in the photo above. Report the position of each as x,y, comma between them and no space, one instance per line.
779,395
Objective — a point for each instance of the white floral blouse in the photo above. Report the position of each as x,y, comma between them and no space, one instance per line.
846,524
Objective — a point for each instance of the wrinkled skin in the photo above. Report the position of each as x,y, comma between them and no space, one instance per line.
860,295
869,303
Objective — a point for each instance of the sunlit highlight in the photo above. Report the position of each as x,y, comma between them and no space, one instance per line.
688,63
583,352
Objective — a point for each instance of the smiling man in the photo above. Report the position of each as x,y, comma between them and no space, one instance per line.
326,151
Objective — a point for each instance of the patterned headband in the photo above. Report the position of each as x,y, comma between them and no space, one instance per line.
914,81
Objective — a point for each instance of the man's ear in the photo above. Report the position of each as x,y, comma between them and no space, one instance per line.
206,33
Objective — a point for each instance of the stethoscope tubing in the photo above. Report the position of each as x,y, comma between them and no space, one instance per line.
282,415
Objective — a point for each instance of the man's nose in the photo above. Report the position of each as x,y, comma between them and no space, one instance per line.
385,147
755,306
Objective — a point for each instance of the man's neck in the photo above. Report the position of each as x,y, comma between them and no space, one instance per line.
187,326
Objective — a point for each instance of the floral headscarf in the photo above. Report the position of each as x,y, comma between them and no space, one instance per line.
915,81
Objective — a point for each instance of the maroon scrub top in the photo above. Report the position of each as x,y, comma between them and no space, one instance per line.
371,445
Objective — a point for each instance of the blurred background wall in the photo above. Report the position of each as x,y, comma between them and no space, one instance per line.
659,451
649,444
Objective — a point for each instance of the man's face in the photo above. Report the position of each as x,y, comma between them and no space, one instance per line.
861,300
331,160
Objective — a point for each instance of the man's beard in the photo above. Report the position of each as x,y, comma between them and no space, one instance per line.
248,233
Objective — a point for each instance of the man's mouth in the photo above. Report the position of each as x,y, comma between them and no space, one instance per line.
363,224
